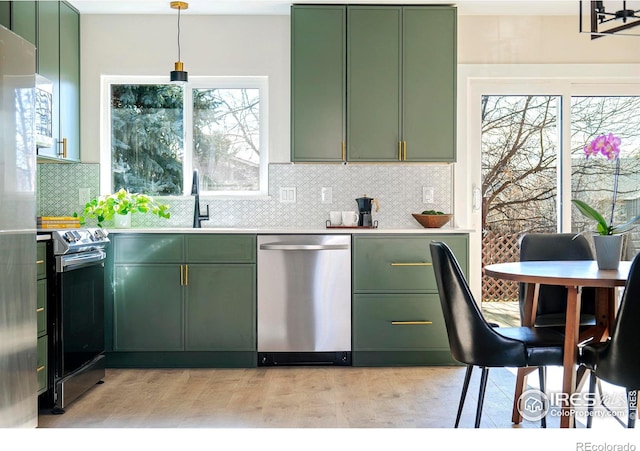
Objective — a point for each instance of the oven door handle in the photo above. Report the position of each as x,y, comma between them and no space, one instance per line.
70,262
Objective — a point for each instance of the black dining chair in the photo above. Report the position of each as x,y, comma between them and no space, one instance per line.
616,360
552,299
474,342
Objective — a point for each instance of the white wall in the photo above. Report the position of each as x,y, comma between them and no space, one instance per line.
210,45
539,40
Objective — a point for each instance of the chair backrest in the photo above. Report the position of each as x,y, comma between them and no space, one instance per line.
619,363
471,339
556,246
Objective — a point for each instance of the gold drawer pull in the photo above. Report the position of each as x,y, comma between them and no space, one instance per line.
40,368
410,323
39,262
41,309
412,264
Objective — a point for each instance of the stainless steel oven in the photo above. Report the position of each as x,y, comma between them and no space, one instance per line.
77,319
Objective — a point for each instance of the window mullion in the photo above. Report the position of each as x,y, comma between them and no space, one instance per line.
187,117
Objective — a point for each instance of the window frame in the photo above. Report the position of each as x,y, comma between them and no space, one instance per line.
195,82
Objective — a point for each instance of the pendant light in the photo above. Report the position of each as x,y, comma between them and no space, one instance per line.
178,75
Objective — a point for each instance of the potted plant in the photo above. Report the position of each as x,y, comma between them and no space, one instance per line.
119,206
608,238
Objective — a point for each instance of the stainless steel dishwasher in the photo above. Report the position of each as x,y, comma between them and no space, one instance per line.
304,300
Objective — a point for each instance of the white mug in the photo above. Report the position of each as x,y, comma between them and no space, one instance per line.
350,218
335,218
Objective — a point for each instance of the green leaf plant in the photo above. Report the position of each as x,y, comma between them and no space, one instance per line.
104,208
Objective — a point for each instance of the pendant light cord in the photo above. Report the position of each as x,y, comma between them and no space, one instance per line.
179,9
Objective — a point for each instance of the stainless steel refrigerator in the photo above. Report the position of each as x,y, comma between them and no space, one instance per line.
18,328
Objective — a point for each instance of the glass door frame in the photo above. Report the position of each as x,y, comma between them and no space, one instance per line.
522,79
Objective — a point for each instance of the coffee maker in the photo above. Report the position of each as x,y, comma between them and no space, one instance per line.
365,205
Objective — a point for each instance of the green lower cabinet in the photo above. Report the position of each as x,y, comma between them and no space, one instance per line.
402,329
182,300
220,307
147,312
42,370
397,318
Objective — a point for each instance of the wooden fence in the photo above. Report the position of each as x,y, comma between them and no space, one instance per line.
499,248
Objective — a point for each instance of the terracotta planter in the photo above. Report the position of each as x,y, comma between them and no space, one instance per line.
608,250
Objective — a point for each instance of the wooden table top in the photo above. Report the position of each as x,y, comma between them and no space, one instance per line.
561,272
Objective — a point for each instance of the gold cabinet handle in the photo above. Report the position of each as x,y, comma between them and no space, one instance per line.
411,323
64,147
181,276
344,153
186,274
40,368
41,309
400,150
412,264
404,145
39,262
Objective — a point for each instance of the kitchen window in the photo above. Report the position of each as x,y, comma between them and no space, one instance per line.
156,132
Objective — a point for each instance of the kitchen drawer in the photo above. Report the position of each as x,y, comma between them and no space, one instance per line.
41,306
42,364
142,248
400,263
406,322
41,260
220,248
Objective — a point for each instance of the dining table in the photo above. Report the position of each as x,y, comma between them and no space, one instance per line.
574,275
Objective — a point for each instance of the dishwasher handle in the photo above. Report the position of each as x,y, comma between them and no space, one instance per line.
302,247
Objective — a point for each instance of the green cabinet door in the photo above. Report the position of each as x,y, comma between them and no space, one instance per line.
429,83
147,310
48,64
374,55
70,82
5,14
387,322
400,263
23,20
220,307
317,82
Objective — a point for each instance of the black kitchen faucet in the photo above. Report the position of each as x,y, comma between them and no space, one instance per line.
195,191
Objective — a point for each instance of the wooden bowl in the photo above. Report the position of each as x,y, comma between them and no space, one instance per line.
432,221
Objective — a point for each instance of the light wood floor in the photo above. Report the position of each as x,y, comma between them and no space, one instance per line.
292,397
304,397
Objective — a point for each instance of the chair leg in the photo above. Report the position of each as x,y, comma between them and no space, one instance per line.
483,386
542,373
592,391
632,404
463,395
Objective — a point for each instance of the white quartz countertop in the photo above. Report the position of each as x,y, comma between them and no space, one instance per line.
290,230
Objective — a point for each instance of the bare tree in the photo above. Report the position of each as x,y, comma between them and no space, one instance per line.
520,147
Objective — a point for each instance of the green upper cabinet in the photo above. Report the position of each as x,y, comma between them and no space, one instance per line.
318,82
48,64
400,83
23,20
58,43
429,84
70,82
5,14
374,55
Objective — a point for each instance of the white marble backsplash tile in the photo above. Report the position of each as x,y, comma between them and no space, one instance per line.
398,188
